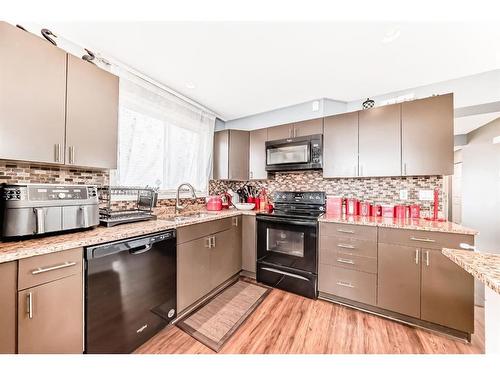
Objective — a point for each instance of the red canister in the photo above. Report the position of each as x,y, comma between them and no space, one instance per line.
334,205
365,209
400,211
387,211
257,204
415,211
352,206
377,210
214,203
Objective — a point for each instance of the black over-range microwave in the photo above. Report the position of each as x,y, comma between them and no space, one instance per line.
294,154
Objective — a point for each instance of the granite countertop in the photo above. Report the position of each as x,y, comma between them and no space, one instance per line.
13,250
413,224
483,266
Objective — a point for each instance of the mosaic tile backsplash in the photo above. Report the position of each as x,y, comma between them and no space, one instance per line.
379,190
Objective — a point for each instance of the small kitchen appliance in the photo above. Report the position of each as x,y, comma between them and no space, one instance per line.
214,203
35,209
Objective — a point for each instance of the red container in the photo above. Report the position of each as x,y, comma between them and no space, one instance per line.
352,206
365,209
334,206
257,204
377,210
250,200
415,211
387,211
270,208
400,211
214,203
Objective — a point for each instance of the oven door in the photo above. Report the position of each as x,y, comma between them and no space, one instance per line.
288,154
287,242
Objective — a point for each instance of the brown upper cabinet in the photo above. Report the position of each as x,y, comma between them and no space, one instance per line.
91,115
296,129
54,107
231,148
340,140
427,136
380,141
257,155
32,97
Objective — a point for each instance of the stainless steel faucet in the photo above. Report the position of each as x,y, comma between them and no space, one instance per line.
179,207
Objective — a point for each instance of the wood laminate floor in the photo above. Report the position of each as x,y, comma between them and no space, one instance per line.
289,324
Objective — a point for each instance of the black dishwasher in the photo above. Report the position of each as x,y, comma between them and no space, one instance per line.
130,291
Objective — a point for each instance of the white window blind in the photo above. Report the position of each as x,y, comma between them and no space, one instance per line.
162,140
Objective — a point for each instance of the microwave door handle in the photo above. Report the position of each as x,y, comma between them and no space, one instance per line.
40,220
85,216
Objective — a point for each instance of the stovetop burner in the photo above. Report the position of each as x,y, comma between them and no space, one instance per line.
296,204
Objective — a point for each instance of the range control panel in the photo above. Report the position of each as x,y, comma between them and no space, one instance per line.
312,197
37,193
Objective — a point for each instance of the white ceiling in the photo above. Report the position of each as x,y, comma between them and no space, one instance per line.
239,68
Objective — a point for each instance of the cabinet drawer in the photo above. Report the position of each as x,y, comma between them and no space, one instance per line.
45,268
421,238
354,285
195,231
353,262
348,246
362,232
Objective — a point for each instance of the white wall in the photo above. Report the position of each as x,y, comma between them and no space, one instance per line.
481,189
471,90
297,112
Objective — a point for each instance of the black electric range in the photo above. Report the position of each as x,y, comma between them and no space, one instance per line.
287,249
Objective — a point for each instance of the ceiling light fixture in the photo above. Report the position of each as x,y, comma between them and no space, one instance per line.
190,85
391,35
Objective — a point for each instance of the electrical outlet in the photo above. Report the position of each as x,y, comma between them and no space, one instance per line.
426,195
403,194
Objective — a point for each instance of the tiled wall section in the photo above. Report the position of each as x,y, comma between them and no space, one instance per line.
380,190
18,172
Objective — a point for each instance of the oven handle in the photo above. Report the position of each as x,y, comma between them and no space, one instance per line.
274,270
289,221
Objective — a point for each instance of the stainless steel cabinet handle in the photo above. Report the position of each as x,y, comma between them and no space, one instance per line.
355,170
404,169
40,220
345,246
417,256
348,285
274,270
251,174
71,155
427,260
294,132
53,268
213,241
57,152
422,239
29,305
345,231
347,261
361,172
235,221
208,242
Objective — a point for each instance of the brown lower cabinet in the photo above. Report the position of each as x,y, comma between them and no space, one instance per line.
8,297
399,279
50,309
206,262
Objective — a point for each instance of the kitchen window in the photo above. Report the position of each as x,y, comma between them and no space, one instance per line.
162,140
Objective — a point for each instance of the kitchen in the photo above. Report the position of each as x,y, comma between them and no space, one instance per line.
135,219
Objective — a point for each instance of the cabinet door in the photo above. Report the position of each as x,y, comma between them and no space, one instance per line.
238,154
280,132
399,279
221,155
340,145
8,296
257,154
427,134
91,115
249,243
225,256
32,97
447,292
50,317
193,272
308,127
380,141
